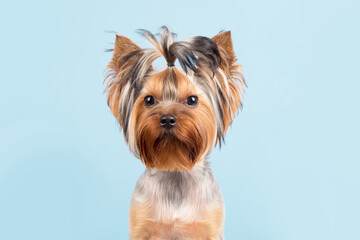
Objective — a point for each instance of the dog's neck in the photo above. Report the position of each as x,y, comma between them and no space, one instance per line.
175,192
201,166
177,187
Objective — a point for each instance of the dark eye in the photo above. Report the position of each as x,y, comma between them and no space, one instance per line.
149,101
192,101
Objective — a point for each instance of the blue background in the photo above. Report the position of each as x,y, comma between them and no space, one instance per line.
290,165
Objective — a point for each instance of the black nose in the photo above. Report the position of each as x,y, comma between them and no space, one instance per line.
168,121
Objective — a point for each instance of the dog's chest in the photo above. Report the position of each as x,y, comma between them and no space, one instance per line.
178,196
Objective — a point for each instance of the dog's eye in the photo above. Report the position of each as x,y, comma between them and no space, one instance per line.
149,101
192,101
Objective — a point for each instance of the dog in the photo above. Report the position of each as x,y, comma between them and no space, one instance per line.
171,120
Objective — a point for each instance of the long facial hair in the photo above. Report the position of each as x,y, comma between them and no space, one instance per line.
209,64
176,149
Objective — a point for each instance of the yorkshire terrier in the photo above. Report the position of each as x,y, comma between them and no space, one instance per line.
171,120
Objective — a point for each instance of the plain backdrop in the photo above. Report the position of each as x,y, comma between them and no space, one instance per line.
289,169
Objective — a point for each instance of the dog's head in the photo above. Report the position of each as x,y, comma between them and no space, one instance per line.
172,118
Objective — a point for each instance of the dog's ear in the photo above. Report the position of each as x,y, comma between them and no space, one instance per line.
224,43
235,82
126,52
123,47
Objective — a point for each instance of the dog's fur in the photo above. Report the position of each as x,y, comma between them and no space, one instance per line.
177,197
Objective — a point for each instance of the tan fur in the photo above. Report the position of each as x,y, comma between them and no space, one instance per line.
175,155
123,46
233,72
177,197
224,42
143,226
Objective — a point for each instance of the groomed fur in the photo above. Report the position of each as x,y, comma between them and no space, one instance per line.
210,63
177,197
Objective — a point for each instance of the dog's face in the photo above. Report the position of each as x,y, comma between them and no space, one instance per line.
173,122
173,118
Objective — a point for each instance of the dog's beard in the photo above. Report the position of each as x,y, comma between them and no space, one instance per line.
171,150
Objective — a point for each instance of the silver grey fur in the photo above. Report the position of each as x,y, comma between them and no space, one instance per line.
179,195
186,196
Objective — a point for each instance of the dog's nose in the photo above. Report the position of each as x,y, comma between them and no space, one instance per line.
168,121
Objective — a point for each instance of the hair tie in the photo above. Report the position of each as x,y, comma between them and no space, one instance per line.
171,65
